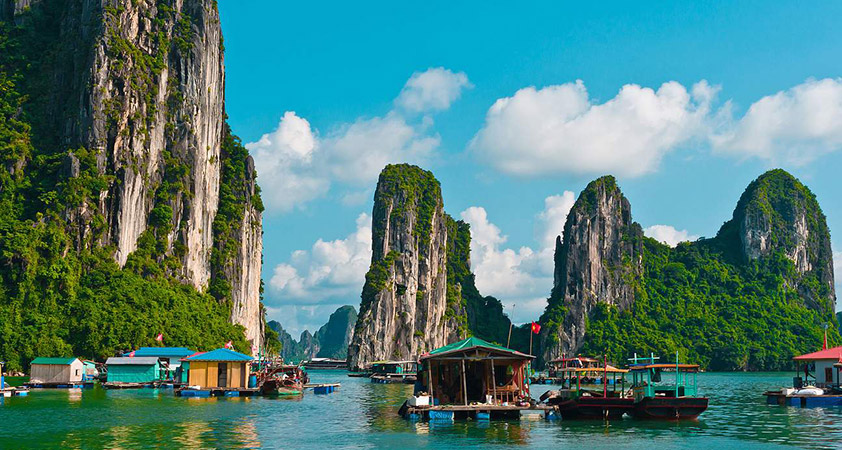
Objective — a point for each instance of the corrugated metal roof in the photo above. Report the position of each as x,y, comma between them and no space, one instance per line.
55,361
831,353
471,343
164,352
128,361
220,354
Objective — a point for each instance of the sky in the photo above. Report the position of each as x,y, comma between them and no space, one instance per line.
515,108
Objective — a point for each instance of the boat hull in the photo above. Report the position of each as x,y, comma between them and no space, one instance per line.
594,407
273,388
670,408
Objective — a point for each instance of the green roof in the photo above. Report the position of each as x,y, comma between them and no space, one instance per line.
56,361
474,342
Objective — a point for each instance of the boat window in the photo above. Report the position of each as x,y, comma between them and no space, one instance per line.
655,375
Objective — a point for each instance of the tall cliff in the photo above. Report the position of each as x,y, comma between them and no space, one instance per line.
748,299
405,310
598,260
125,107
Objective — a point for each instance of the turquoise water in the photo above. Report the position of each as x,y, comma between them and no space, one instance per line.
364,415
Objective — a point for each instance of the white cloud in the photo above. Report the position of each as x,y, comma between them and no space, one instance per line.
560,129
796,126
668,234
284,164
523,277
330,271
434,89
296,164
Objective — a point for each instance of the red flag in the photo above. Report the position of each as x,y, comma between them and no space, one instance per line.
131,355
229,344
536,327
160,337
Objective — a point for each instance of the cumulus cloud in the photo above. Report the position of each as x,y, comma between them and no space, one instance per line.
330,271
434,89
522,276
560,129
796,125
297,164
668,234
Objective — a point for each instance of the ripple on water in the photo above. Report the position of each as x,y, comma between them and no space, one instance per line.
364,415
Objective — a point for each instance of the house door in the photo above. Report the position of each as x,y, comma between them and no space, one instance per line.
828,375
222,379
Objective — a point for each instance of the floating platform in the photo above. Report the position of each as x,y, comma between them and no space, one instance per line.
153,385
217,392
802,401
393,378
74,385
323,388
14,392
476,412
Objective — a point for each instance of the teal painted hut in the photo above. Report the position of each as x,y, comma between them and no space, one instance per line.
139,369
171,358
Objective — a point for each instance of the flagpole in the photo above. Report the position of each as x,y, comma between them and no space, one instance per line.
511,321
531,332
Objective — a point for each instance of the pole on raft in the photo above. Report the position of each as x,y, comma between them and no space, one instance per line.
604,376
464,384
430,380
493,384
509,340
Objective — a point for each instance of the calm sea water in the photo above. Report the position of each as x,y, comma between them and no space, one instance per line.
364,415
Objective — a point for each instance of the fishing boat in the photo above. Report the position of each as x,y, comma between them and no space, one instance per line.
472,379
326,364
282,380
386,372
580,400
816,382
665,397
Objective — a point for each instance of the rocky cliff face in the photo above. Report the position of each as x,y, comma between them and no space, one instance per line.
777,213
335,336
140,86
404,310
598,260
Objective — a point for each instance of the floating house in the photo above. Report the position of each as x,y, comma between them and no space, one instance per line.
171,359
472,378
134,371
385,372
90,371
56,372
816,382
218,369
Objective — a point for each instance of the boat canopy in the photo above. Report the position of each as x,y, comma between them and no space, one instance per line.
608,369
681,367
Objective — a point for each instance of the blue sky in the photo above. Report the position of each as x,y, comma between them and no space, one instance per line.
388,82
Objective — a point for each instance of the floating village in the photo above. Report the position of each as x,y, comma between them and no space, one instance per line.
471,379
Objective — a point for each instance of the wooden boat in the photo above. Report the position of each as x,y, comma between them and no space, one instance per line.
578,402
385,372
656,398
282,380
364,374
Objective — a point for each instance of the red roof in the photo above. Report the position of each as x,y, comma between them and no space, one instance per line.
831,353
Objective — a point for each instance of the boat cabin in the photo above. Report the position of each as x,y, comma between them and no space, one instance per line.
818,368
474,370
220,368
56,370
394,367
652,379
578,362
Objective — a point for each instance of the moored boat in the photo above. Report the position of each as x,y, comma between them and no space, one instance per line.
671,397
282,380
576,401
386,372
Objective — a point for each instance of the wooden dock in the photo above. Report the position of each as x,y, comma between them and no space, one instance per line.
60,385
322,388
475,412
217,392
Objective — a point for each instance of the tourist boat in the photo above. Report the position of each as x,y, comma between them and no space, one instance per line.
577,400
282,380
816,382
326,364
665,397
386,372
472,379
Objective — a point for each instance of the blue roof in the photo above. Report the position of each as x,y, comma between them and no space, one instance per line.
164,352
220,354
